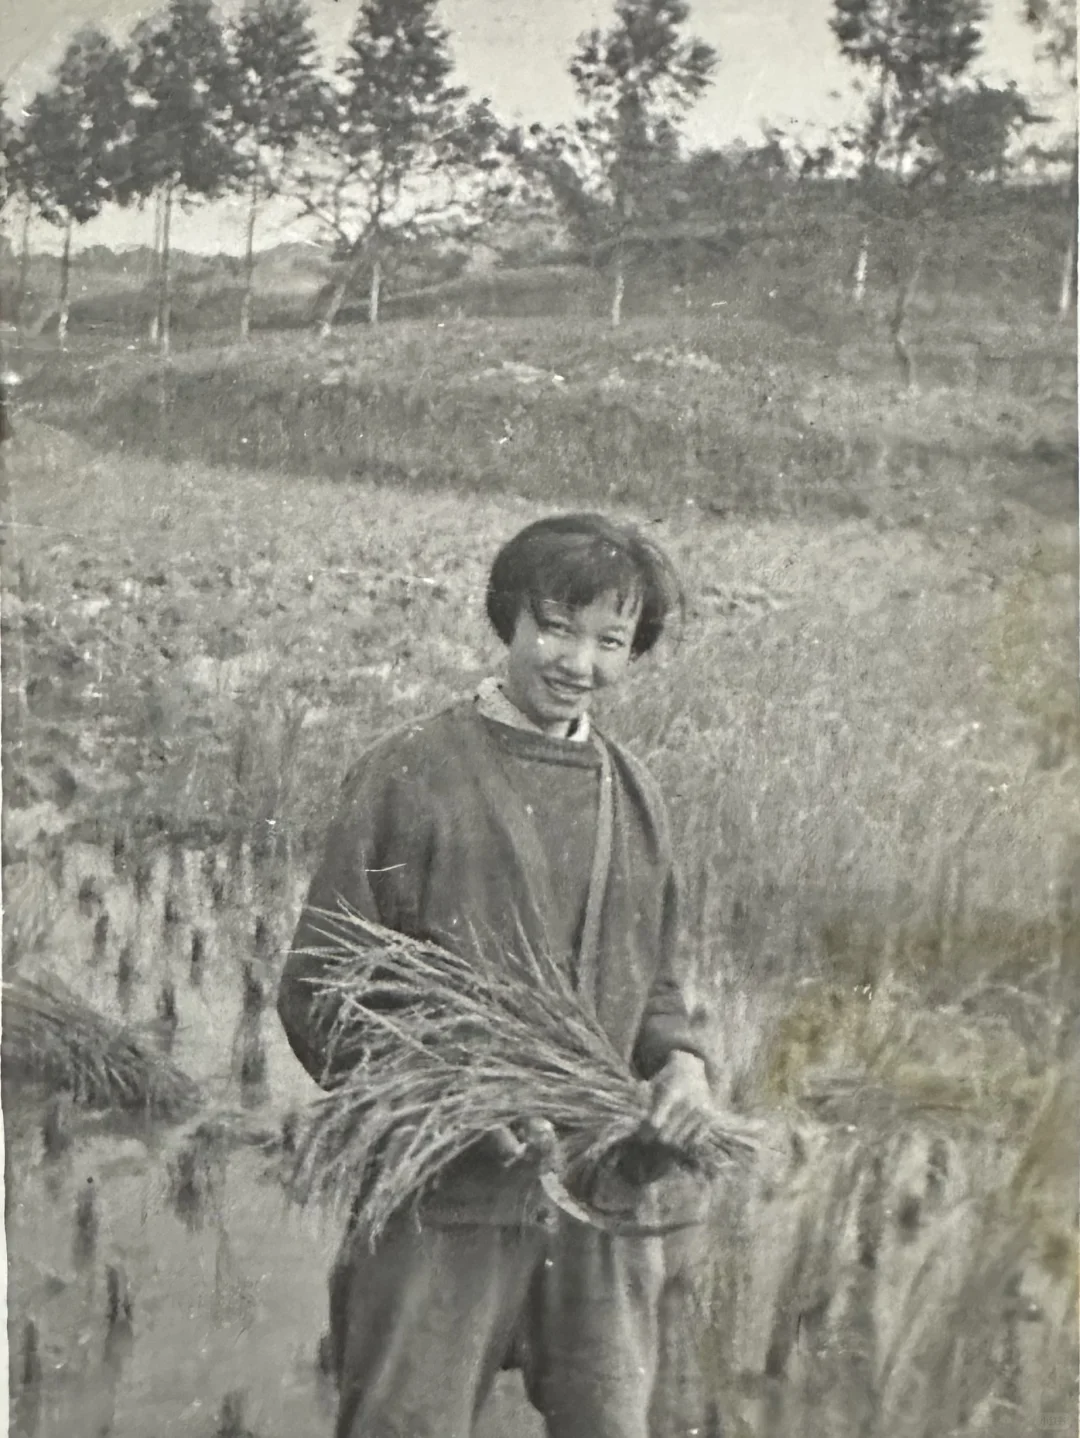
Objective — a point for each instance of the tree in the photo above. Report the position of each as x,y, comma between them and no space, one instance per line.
278,101
13,188
610,173
917,54
968,135
1055,22
403,157
183,145
9,139
72,140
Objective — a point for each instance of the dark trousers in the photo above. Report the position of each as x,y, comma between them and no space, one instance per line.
421,1326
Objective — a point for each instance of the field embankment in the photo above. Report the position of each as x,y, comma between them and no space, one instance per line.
733,412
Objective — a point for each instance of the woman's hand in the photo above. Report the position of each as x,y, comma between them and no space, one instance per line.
681,1100
508,1148
530,1137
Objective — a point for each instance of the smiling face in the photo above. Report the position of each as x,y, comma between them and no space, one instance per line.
559,657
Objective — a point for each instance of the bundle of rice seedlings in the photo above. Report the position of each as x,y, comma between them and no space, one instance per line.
429,1052
52,1036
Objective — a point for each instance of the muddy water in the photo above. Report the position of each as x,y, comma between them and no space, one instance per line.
226,1281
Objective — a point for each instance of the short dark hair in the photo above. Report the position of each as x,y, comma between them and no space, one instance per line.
572,559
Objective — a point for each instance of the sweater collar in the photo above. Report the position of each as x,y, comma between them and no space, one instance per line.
493,704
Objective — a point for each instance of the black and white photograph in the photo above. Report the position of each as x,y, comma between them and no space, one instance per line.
540,718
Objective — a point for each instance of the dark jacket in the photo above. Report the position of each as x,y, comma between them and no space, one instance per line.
440,835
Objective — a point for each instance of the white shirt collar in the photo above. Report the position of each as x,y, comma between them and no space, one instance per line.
493,704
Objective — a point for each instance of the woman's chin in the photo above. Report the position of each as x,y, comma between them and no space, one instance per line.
560,712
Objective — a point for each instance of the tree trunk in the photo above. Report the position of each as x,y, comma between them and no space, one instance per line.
249,263
65,287
618,292
337,298
373,293
155,273
24,272
858,292
897,325
1067,292
165,277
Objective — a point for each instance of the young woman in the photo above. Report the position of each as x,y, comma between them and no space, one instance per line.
506,815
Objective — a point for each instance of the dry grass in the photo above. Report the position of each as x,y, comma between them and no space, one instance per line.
439,1050
52,1036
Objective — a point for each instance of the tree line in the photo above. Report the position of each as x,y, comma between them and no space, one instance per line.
383,150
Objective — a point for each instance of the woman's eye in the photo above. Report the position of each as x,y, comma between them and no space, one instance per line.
556,626
613,641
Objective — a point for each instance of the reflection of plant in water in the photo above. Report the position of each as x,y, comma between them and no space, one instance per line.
125,976
101,936
85,1234
261,937
144,878
27,1399
89,896
198,957
166,1005
249,1057
197,1172
171,912
119,1303
290,1131
56,1128
254,999
31,1356
231,1418
119,1342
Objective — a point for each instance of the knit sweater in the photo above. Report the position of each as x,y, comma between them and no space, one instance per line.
468,833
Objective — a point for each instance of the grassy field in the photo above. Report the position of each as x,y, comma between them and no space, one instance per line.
223,576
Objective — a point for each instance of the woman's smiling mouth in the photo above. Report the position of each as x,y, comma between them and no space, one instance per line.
569,693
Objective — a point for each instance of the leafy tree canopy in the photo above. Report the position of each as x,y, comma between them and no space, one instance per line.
72,151
184,128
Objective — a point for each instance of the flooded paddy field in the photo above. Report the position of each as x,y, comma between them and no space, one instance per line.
225,1282
161,1281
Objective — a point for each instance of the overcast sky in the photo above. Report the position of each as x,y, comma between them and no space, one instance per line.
779,64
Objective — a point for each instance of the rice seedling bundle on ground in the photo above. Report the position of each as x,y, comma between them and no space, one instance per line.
51,1036
429,1052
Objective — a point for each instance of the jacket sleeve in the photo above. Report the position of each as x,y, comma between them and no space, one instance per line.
374,862
667,1025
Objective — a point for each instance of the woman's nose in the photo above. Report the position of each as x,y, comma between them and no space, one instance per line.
576,659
